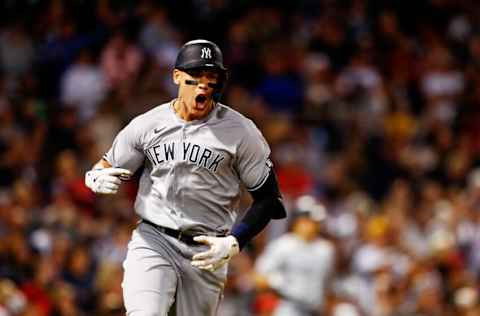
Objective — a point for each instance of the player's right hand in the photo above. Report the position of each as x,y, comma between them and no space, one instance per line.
106,180
221,250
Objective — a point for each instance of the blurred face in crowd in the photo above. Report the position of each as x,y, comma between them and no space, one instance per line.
195,92
45,271
429,300
306,228
80,262
66,165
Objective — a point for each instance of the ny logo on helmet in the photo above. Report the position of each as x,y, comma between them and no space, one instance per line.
206,52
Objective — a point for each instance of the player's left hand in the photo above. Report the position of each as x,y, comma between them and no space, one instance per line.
222,249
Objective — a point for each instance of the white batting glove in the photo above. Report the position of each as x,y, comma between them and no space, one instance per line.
222,249
106,180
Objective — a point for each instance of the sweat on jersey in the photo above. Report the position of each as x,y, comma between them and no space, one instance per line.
193,170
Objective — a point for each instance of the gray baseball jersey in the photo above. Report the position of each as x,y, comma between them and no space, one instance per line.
193,170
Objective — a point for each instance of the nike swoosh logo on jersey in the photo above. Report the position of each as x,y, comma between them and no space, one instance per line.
158,130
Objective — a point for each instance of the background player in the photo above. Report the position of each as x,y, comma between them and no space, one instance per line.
197,154
301,279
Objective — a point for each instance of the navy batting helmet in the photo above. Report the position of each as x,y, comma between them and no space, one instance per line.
200,54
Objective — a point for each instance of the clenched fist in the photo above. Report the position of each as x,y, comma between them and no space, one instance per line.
106,180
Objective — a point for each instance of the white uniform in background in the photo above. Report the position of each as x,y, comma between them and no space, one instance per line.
299,271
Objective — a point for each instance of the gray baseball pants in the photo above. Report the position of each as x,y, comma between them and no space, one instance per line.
159,279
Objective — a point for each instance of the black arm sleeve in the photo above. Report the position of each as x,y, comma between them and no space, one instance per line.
267,204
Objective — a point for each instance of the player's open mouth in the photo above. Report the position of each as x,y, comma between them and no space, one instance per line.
200,101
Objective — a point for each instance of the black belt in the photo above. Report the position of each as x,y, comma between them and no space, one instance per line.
177,234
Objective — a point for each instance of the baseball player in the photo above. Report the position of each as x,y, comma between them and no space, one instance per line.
298,266
197,154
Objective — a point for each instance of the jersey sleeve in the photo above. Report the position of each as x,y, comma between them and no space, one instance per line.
253,164
126,151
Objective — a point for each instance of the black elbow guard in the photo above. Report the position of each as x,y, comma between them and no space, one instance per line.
270,192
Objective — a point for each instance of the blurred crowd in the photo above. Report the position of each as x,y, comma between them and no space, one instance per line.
372,110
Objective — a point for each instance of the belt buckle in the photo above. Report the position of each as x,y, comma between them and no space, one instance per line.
180,234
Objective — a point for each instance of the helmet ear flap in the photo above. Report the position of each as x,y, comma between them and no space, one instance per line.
222,83
216,96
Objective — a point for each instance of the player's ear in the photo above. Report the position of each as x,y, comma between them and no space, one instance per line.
177,74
